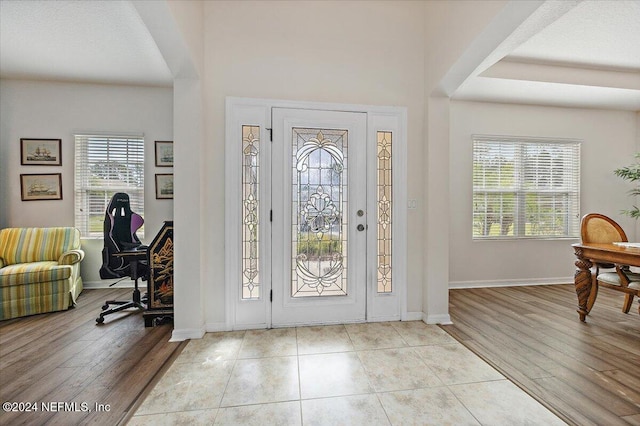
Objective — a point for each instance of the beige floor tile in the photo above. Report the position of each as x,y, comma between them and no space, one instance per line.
417,333
182,418
326,375
397,369
185,387
455,364
423,407
375,335
323,339
329,375
262,380
266,343
503,403
344,410
212,347
277,414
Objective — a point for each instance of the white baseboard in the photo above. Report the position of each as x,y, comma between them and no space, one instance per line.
428,319
510,283
437,319
186,333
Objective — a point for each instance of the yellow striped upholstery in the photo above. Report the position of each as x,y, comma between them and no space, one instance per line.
39,270
25,273
25,245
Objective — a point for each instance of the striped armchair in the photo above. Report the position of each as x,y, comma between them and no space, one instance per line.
39,270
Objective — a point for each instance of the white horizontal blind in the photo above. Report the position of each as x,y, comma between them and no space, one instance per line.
105,165
525,188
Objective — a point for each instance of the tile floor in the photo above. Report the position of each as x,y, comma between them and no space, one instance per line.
396,373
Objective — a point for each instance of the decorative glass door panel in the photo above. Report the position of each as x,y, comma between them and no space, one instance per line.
319,223
250,211
319,219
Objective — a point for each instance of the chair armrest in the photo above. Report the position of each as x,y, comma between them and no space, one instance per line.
71,257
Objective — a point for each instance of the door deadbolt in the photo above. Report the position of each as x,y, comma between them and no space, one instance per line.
360,213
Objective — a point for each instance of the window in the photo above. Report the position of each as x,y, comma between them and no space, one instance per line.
105,165
525,188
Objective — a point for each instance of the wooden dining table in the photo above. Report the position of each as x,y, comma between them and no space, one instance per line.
587,255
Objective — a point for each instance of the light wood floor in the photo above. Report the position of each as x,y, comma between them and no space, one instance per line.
587,373
65,357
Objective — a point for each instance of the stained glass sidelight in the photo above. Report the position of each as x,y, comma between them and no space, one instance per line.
250,211
319,219
385,204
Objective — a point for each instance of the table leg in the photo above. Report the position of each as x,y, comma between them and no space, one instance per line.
584,286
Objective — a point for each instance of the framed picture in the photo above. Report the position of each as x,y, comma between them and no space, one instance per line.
164,153
164,186
41,186
40,152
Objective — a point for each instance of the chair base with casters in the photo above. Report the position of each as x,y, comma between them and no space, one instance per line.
137,259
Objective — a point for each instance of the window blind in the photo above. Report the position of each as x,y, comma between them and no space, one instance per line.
105,165
525,188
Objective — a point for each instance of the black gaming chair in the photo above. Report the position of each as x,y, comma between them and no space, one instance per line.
123,254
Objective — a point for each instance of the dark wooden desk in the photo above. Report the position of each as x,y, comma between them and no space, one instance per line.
591,253
160,283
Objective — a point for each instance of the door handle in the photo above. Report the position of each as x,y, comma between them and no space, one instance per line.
360,227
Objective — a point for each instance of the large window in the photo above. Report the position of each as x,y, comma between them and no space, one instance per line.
525,188
105,165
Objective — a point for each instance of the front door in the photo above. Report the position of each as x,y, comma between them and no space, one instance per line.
315,215
319,217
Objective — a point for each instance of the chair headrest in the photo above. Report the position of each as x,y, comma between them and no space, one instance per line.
120,203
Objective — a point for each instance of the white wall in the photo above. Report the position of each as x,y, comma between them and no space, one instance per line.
177,29
339,52
609,142
58,110
379,53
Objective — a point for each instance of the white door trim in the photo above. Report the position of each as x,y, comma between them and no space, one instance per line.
247,314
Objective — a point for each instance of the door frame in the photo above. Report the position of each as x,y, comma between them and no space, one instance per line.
256,313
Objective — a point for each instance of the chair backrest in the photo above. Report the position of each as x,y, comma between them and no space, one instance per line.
598,228
120,226
24,245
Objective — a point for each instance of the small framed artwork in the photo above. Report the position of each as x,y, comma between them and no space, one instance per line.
41,186
40,152
164,153
164,186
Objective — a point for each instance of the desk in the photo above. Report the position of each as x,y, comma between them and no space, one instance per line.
160,282
590,253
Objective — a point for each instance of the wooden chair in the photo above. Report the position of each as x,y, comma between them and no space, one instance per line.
598,228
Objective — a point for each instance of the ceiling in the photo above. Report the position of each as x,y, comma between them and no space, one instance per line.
580,53
86,41
585,56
